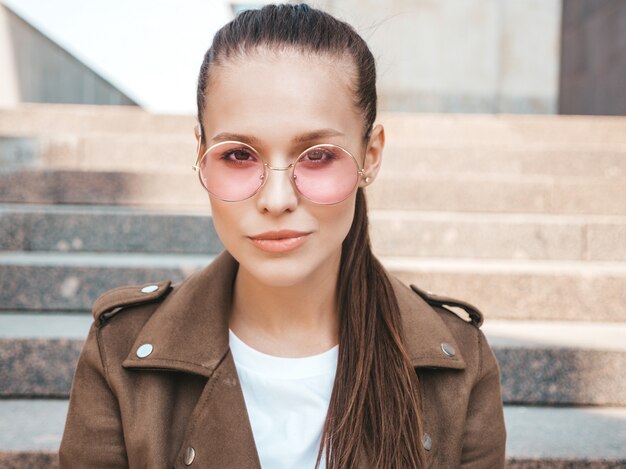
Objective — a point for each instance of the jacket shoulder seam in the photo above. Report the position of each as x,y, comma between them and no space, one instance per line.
480,354
102,355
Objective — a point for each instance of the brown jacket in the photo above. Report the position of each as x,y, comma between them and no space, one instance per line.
181,403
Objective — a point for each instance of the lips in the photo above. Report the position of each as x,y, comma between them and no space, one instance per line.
282,234
279,241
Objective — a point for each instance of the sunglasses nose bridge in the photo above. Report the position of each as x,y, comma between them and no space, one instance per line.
286,168
268,168
275,192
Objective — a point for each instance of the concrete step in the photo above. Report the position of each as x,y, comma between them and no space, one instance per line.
541,362
425,193
565,437
546,437
528,159
462,129
38,353
77,228
60,282
560,363
101,188
511,289
561,290
497,194
72,119
30,433
473,130
103,152
174,152
498,235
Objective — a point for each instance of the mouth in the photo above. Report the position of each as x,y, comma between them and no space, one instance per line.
279,241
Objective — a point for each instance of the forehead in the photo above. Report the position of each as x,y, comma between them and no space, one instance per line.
274,96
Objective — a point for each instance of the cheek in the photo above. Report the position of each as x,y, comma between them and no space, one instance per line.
225,220
335,220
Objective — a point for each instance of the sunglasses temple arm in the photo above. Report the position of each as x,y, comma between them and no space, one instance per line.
195,166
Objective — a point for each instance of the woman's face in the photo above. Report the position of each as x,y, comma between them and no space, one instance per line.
282,104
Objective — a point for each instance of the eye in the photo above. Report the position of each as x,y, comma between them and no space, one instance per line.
238,155
319,155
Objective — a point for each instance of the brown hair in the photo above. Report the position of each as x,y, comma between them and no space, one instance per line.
375,402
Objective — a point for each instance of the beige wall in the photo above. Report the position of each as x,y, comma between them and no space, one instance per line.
461,55
35,69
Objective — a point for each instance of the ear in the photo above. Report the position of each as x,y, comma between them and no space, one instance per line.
199,147
373,155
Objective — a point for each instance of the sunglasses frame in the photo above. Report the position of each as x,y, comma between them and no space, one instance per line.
266,166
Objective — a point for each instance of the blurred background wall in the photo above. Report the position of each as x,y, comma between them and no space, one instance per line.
35,69
462,56
465,56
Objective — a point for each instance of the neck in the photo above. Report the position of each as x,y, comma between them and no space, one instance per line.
292,321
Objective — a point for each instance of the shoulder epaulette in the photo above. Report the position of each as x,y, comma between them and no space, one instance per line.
473,313
111,302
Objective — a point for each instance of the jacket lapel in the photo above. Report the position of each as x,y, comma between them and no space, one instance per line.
189,330
189,333
219,430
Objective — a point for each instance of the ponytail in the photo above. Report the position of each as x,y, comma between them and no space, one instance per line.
375,404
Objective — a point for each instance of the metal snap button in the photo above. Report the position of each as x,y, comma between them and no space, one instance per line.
427,442
448,349
149,288
144,350
190,455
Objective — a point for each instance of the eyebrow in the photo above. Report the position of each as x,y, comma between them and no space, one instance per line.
302,138
317,135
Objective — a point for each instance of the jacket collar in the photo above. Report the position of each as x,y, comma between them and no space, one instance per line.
189,330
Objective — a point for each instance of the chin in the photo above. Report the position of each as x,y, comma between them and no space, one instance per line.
305,265
278,272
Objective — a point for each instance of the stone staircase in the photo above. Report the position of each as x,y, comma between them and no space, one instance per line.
524,216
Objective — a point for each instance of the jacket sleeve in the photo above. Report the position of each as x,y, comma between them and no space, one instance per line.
484,441
93,434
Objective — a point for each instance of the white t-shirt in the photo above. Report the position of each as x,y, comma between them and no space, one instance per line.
287,400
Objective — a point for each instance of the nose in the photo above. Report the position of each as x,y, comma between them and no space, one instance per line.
278,193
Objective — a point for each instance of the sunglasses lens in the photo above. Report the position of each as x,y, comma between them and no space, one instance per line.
326,174
231,171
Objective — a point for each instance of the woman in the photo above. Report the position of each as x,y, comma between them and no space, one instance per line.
294,347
